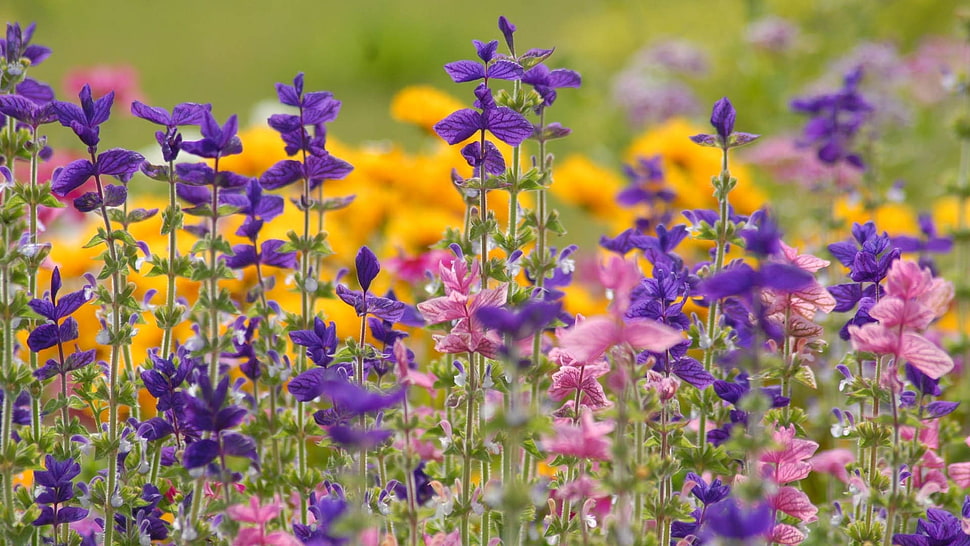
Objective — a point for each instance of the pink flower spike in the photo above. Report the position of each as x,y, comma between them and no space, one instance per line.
586,441
253,512
443,539
795,503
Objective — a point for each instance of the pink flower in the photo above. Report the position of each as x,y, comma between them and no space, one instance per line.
412,269
590,339
791,461
834,462
443,539
260,515
122,79
409,376
783,533
795,503
960,474
459,305
570,379
587,440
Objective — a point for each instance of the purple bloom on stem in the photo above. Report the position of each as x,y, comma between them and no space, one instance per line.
490,67
546,81
27,111
116,162
508,29
320,343
85,120
728,519
54,332
529,319
58,484
707,494
837,117
504,123
939,528
743,280
170,140
217,141
722,119
17,46
316,169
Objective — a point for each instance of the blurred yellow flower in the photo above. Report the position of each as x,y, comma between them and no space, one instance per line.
423,106
593,188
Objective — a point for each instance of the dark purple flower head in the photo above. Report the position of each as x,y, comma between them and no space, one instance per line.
259,208
170,139
58,483
763,238
367,267
546,81
317,168
491,66
708,494
504,123
743,280
54,332
320,343
729,519
85,120
422,486
326,510
27,111
217,141
722,119
492,158
924,383
508,29
362,301
17,46
939,528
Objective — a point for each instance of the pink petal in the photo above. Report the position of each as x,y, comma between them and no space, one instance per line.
282,538
443,309
651,335
591,338
834,462
960,474
893,312
875,338
925,356
795,503
786,534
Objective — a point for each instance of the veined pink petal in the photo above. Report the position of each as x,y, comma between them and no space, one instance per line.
925,356
786,534
492,297
806,262
651,335
875,338
817,296
834,462
570,379
938,296
444,309
907,280
795,503
960,474
591,338
621,276
894,312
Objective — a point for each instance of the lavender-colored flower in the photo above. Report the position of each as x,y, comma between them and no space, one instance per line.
504,123
58,484
208,411
27,111
146,519
707,494
742,280
869,257
836,118
362,301
17,45
526,320
722,119
217,141
326,510
729,519
116,162
422,485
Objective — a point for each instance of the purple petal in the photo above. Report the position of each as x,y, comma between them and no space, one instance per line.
43,337
200,453
72,176
88,202
462,124
693,372
283,173
486,50
243,256
288,94
270,256
935,410
785,277
153,114
562,77
115,195
504,70
327,168
189,113
507,125
239,445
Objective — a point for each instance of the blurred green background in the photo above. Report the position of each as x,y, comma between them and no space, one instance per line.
230,53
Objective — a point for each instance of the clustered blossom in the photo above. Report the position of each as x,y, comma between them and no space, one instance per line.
836,119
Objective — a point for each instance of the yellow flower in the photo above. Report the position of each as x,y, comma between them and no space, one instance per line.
593,188
423,106
262,148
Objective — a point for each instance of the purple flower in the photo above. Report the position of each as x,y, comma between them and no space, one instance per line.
320,343
422,486
54,332
722,119
170,140
504,123
836,118
729,519
268,254
17,46
743,280
707,494
326,510
216,141
508,29
546,81
146,518
85,120
940,528
317,168
490,67
362,301
116,162
58,484
27,111
528,319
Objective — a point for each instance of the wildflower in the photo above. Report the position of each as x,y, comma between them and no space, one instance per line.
54,332
504,123
17,45
837,118
363,302
491,66
585,440
58,484
938,528
581,381
546,81
729,519
182,114
722,119
260,515
216,141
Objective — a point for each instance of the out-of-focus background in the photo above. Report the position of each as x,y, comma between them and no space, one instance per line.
230,53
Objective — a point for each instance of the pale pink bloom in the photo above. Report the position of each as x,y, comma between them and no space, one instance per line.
799,307
590,339
834,462
587,440
443,539
260,515
665,386
122,79
409,376
795,503
570,379
908,281
790,463
929,433
783,533
908,346
620,276
579,489
412,269
459,305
